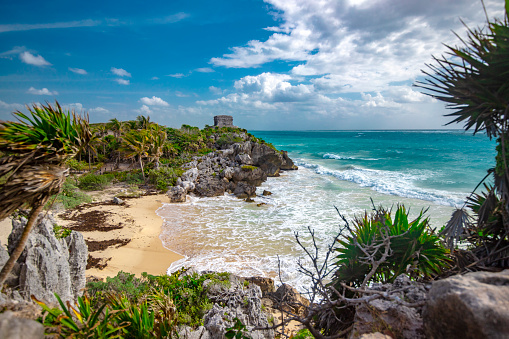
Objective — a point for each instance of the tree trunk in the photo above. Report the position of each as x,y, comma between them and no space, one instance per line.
142,172
22,242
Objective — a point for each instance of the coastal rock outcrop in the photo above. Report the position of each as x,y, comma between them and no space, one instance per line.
474,305
49,265
12,327
232,300
236,168
391,315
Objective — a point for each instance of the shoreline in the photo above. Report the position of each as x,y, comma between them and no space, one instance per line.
140,226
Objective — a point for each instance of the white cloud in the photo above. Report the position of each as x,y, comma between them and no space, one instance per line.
13,107
154,78
68,24
154,101
100,110
215,90
122,81
43,91
78,70
176,75
77,107
205,70
36,60
181,95
144,109
120,72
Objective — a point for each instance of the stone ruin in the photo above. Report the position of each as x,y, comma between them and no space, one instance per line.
223,121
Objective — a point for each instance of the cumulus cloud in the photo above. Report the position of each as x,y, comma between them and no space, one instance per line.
205,70
215,90
154,101
78,71
13,106
120,72
144,110
43,91
36,60
181,95
100,110
176,75
122,81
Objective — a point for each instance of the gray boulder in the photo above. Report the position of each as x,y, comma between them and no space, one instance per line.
474,305
177,194
210,186
49,265
187,185
244,159
190,175
12,327
244,190
250,175
391,315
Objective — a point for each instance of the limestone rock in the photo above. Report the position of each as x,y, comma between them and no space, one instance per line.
244,190
266,284
252,176
237,302
49,265
210,186
244,159
189,186
402,321
376,335
118,201
190,175
177,194
474,305
4,255
290,299
12,327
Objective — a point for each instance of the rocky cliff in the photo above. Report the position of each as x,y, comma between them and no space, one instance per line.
236,168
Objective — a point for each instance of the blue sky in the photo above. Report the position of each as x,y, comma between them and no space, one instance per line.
273,64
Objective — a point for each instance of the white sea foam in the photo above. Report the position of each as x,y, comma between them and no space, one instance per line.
390,182
341,157
227,234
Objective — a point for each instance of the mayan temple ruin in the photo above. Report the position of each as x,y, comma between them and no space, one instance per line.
223,121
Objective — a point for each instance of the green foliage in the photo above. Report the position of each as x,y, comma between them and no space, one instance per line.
82,321
71,196
414,248
227,139
163,177
61,232
186,292
237,331
133,177
76,165
303,334
92,182
249,168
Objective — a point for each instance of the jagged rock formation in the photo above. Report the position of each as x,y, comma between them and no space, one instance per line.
12,327
474,305
237,169
48,265
233,300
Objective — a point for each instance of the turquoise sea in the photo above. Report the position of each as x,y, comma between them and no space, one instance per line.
423,169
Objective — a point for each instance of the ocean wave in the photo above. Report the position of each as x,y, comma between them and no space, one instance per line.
341,157
389,182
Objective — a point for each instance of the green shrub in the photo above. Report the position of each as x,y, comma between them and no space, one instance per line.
134,177
61,232
414,248
249,168
163,177
71,196
303,334
92,182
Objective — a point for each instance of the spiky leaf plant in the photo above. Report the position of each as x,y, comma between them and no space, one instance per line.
413,248
32,167
473,80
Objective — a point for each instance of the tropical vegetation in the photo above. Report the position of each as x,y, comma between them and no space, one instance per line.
472,80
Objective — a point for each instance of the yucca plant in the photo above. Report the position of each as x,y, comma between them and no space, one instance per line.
389,246
472,80
32,168
81,321
139,316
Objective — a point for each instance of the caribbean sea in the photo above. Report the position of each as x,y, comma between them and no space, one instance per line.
434,170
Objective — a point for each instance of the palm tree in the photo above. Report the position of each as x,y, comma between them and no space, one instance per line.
136,144
473,81
32,167
117,127
143,121
157,142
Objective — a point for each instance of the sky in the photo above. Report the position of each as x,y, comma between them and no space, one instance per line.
271,64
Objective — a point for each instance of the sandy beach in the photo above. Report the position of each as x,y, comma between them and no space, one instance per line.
134,222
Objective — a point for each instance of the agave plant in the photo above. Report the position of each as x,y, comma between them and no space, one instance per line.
472,80
32,168
390,247
82,320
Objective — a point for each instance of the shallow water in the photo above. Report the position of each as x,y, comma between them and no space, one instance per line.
227,234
